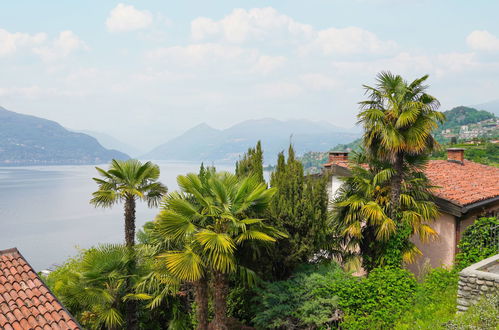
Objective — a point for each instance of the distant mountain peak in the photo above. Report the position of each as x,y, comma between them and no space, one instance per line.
204,143
30,140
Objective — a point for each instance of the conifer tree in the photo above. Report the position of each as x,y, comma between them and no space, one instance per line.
299,209
252,163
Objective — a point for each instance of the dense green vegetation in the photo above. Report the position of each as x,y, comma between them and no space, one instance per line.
231,251
463,116
477,243
484,153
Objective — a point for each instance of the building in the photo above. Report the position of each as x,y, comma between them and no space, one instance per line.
25,301
465,191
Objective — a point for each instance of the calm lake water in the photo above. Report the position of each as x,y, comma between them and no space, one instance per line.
45,211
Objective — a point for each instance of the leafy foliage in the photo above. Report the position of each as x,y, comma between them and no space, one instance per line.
252,163
462,115
365,229
128,179
207,223
484,315
484,153
434,301
93,287
308,299
380,299
476,242
299,209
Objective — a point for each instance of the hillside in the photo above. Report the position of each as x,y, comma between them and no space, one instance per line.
462,123
110,142
29,140
204,143
465,123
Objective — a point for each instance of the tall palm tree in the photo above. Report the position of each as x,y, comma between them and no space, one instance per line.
126,182
209,217
398,120
364,226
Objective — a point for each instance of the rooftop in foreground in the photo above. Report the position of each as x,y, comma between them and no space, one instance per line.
25,301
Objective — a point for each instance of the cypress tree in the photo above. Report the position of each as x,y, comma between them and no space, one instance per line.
299,209
251,163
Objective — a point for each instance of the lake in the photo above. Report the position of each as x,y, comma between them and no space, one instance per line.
45,210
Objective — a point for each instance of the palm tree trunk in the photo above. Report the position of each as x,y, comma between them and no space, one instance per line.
396,185
130,221
220,301
131,305
201,287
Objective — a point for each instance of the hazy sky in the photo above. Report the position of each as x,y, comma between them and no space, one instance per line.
144,71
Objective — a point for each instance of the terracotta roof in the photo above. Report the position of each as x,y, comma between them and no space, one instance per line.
462,184
25,302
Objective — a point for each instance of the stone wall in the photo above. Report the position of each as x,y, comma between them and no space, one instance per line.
476,280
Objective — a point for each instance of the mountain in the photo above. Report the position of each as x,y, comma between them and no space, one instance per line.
110,142
204,143
29,140
466,123
462,115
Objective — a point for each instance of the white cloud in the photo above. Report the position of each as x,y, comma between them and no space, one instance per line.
319,82
350,40
267,24
202,54
66,43
482,40
255,24
12,42
127,18
266,64
282,90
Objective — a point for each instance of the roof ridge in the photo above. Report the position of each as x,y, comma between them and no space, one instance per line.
9,251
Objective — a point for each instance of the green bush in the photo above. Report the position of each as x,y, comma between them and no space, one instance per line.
310,298
379,300
476,243
484,315
434,301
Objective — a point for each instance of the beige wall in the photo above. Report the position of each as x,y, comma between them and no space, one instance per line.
441,251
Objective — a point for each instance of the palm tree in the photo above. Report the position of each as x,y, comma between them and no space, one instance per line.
208,219
365,229
93,286
398,120
127,181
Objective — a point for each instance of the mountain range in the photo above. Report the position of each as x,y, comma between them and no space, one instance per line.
30,140
205,143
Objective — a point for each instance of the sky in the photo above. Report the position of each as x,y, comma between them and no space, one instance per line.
145,71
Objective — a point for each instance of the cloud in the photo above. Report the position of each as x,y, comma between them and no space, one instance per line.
319,82
245,25
346,41
125,18
10,43
66,43
279,90
202,54
266,64
481,40
268,25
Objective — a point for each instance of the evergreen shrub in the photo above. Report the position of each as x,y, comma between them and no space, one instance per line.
476,243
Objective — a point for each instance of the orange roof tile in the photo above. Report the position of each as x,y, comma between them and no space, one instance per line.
25,302
462,184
